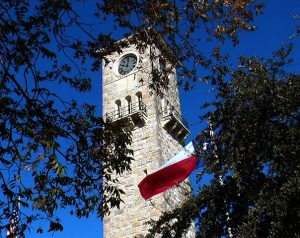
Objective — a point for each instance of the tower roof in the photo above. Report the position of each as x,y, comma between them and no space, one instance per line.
143,38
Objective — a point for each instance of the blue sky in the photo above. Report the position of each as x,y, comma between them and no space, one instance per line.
273,29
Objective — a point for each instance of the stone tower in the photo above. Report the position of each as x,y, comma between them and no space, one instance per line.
158,134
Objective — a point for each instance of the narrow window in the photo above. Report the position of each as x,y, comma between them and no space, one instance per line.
139,100
162,102
162,64
128,99
118,108
168,107
163,105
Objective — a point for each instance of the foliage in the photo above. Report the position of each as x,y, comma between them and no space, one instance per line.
54,152
184,25
252,156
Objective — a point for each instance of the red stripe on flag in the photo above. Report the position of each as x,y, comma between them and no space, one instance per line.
167,177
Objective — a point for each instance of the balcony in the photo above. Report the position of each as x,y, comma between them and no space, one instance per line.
174,123
135,113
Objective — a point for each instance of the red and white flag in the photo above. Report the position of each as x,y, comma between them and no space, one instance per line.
170,174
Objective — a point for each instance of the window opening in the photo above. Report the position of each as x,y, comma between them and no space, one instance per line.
139,100
128,99
118,108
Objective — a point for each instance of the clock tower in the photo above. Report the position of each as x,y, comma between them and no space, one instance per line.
158,133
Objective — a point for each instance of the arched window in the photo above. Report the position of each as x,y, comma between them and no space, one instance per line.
162,101
128,99
139,99
164,104
118,108
162,64
168,107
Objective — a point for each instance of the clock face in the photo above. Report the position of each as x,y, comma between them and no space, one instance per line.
127,64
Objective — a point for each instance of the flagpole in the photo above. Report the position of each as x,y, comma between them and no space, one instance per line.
211,133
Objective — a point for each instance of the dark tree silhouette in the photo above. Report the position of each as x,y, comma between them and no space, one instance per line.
253,156
56,153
